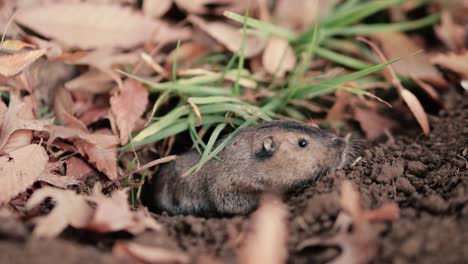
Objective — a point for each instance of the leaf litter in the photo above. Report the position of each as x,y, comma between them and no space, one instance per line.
77,114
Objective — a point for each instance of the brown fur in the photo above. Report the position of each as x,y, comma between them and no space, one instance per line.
266,158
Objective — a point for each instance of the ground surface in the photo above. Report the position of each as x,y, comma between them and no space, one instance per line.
426,176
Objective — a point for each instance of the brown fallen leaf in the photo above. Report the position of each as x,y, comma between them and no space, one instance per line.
21,137
15,63
452,34
88,25
99,147
201,6
187,54
70,209
156,9
298,14
148,254
231,37
267,242
398,45
51,177
20,169
13,122
278,57
128,106
453,61
77,168
92,81
408,97
418,111
373,124
114,214
110,213
101,150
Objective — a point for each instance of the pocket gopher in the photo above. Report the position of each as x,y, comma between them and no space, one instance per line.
277,156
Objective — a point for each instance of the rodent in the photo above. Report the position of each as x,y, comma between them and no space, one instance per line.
276,157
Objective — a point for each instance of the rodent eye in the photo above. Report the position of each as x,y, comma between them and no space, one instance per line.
302,143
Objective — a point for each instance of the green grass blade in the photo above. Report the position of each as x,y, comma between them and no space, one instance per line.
262,26
342,59
377,28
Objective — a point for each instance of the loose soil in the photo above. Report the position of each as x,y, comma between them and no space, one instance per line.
426,176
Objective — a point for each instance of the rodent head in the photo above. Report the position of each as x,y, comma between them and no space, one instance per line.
291,153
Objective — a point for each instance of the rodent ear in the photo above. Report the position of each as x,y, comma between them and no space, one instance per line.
269,146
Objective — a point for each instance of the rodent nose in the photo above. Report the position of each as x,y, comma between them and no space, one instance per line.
338,143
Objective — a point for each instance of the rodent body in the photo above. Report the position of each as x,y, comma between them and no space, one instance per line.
278,157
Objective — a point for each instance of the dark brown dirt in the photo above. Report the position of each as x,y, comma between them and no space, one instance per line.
426,176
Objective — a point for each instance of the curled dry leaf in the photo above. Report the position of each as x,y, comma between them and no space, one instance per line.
114,214
77,168
231,37
267,243
200,6
54,179
455,62
98,147
148,254
12,120
156,9
20,169
70,209
87,25
110,213
371,122
278,57
15,63
299,14
452,34
398,45
92,81
418,111
128,106
22,137
101,150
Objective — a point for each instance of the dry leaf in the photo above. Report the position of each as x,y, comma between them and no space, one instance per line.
148,254
101,150
87,26
22,137
397,45
98,147
15,63
70,209
20,169
299,14
418,111
453,35
231,37
267,243
155,9
128,106
110,213
187,54
92,81
13,122
455,62
77,168
200,6
372,123
278,57
51,177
